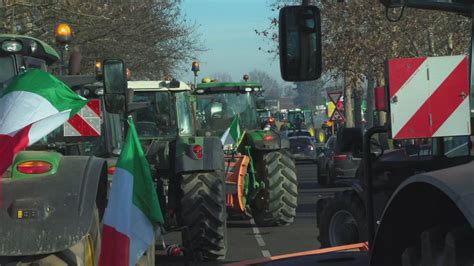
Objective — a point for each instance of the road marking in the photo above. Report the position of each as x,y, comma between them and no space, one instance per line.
266,253
259,238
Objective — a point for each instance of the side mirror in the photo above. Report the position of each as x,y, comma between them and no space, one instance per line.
115,77
115,86
300,43
260,103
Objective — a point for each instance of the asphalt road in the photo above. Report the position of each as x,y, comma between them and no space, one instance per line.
247,241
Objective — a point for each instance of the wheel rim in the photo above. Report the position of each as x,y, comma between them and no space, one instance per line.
343,229
89,252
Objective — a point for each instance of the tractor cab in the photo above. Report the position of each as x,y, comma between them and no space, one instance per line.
168,113
218,103
18,53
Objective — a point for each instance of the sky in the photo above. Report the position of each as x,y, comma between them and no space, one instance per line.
227,30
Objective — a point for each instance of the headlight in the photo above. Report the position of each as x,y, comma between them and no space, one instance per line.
11,46
248,89
200,91
256,89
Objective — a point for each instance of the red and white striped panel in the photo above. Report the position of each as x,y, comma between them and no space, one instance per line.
429,97
86,123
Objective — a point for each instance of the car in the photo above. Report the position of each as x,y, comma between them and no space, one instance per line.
303,148
338,159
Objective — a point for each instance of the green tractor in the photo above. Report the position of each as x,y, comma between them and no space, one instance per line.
188,170
260,170
301,119
55,193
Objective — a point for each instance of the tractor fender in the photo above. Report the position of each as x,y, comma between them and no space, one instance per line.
442,197
256,139
186,160
48,214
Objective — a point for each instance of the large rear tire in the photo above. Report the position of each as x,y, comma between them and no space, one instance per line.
276,203
203,212
342,221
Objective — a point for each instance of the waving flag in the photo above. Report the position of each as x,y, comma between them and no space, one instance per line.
233,134
133,212
32,106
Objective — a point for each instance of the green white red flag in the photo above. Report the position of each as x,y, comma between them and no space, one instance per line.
34,104
133,213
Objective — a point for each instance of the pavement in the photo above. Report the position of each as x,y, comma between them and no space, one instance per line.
247,241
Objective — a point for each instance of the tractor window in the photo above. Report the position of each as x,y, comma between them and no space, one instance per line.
184,115
456,146
156,120
216,111
8,72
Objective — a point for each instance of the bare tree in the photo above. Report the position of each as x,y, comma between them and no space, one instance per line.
358,38
222,76
272,88
151,35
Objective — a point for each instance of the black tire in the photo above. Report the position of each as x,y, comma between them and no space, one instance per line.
438,246
276,203
203,212
342,221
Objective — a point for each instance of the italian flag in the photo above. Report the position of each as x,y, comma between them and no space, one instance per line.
34,104
232,134
133,212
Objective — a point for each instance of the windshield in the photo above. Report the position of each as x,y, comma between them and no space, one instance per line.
7,73
294,116
156,120
216,111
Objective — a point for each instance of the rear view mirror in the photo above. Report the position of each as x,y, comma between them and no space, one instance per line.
115,86
260,103
300,43
115,77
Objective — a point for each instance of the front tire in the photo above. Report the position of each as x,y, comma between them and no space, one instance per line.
276,203
342,221
203,212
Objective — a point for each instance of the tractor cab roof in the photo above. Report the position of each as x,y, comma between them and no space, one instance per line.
28,46
158,85
223,87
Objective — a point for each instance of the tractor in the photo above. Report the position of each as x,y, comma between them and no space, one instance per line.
188,170
55,193
301,119
260,171
417,200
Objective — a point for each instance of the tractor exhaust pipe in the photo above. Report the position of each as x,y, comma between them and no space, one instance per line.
75,59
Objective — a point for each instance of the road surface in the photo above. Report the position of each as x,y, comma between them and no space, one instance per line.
247,241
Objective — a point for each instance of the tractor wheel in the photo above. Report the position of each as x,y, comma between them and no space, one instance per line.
342,221
85,252
442,247
203,212
276,203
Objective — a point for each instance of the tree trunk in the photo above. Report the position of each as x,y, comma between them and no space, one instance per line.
348,107
357,108
369,102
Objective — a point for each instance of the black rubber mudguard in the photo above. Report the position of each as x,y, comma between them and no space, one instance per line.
56,211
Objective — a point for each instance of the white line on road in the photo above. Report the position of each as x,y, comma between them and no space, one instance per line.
259,238
266,253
